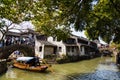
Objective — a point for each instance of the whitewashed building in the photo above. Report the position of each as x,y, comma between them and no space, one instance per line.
68,47
73,46
43,47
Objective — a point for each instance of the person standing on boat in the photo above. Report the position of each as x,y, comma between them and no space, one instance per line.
37,61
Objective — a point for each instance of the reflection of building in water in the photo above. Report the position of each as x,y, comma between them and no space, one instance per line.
11,74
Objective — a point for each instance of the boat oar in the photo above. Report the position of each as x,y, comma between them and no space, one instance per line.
48,65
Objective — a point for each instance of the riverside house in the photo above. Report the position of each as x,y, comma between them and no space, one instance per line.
43,47
73,46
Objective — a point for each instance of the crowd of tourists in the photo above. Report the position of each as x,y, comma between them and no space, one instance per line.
16,40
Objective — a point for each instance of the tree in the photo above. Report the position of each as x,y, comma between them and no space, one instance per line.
4,28
45,18
13,12
104,22
99,18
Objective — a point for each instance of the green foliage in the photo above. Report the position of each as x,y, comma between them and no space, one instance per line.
63,59
15,10
47,20
102,23
99,18
50,56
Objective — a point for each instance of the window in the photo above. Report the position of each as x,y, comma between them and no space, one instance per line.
60,49
54,38
81,48
68,49
40,48
72,48
70,41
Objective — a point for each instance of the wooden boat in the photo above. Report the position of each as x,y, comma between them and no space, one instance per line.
28,63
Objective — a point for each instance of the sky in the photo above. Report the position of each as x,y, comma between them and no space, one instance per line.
23,26
79,33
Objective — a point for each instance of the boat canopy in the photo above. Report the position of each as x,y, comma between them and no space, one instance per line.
24,58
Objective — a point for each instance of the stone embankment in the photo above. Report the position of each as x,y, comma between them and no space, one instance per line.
3,66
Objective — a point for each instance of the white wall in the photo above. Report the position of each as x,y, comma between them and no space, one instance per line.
73,50
1,35
37,52
59,44
48,50
82,50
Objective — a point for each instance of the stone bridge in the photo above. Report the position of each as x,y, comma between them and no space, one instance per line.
6,51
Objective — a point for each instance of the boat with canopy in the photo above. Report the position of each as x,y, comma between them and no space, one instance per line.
30,63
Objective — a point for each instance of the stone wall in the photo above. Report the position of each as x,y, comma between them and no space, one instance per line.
3,66
6,51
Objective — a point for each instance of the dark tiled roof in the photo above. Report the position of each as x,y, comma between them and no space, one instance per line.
41,37
70,44
82,38
12,34
46,43
29,31
88,45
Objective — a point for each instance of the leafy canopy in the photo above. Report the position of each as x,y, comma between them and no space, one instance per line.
99,18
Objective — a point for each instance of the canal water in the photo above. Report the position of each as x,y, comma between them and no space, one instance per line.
102,68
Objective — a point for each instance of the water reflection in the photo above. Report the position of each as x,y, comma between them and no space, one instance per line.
10,74
106,70
102,68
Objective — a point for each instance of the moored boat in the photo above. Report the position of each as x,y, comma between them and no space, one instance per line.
29,63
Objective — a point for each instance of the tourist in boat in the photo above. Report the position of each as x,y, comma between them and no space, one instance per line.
30,62
33,62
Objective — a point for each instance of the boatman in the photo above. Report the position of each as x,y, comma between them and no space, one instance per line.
37,61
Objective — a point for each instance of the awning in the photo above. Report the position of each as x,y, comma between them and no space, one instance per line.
24,58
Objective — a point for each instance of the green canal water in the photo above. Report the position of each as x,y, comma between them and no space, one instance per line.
102,68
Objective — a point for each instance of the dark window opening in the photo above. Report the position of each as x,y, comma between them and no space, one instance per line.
60,49
72,48
40,48
68,49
